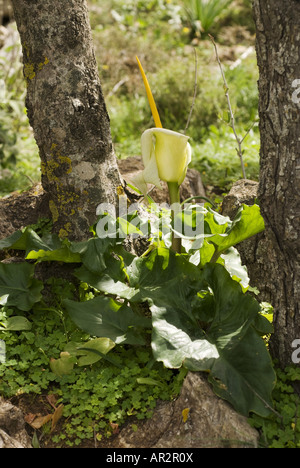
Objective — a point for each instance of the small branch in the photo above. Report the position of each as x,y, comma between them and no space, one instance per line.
232,119
118,85
248,131
195,92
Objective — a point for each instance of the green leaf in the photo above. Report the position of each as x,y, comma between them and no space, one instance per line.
174,342
247,222
24,240
18,283
223,340
233,311
62,254
163,273
127,228
108,285
63,365
50,248
7,242
149,381
262,325
233,265
244,375
104,317
92,253
94,350
17,323
106,273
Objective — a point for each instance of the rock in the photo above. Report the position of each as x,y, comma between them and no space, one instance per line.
19,210
256,250
242,191
12,427
211,422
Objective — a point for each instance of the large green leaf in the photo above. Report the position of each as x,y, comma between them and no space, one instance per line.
233,264
63,254
233,311
63,365
225,233
174,342
105,317
223,342
146,276
92,253
243,375
19,286
7,242
26,240
48,248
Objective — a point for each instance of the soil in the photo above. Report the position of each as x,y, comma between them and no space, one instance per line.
38,405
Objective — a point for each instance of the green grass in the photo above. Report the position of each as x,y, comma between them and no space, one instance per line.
19,160
204,14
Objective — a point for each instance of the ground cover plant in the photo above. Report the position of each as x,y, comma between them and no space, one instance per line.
138,303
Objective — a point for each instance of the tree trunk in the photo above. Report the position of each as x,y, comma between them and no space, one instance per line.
67,111
278,53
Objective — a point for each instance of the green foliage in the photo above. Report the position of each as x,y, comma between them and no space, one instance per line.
281,429
93,395
173,90
19,159
218,163
186,305
203,14
18,287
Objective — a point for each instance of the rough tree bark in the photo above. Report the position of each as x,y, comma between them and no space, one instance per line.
67,111
278,55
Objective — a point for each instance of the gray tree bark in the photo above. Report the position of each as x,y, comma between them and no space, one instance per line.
278,55
67,111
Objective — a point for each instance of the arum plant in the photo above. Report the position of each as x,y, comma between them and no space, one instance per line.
166,155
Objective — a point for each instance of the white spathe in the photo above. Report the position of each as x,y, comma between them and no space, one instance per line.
166,155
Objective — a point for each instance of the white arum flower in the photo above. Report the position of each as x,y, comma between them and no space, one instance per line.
166,155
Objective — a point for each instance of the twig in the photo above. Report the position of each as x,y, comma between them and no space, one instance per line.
232,120
195,92
248,131
118,85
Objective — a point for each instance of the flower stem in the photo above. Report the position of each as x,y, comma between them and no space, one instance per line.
175,207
